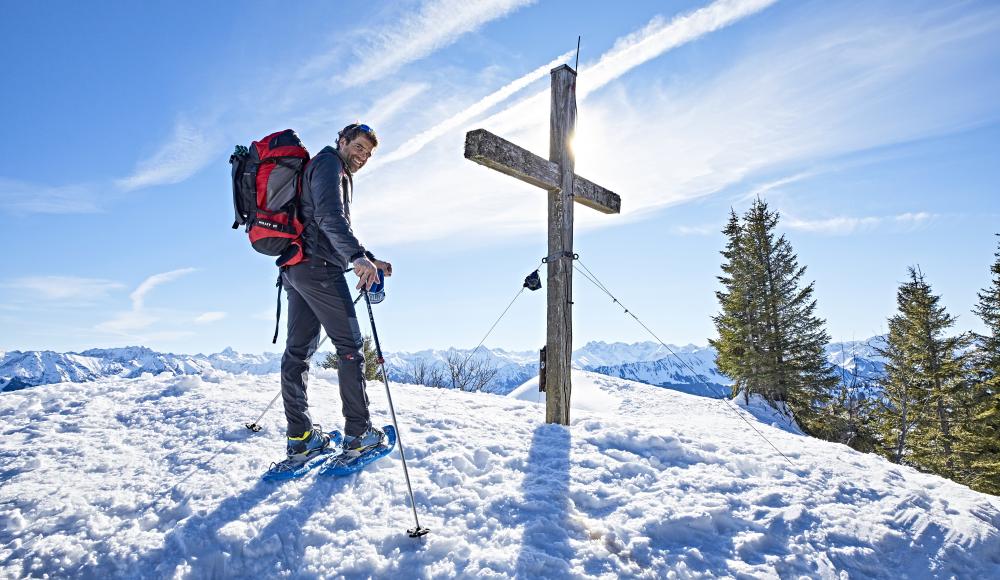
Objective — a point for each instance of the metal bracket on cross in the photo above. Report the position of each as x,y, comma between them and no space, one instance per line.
558,255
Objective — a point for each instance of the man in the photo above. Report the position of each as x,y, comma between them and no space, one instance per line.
318,297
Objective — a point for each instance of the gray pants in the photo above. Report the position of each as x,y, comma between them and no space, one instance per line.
318,296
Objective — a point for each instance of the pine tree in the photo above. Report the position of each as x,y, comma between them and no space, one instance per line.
371,371
770,340
925,387
981,435
735,345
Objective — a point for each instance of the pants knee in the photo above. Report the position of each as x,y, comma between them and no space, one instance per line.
356,357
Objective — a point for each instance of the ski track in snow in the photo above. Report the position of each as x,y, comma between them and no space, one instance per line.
157,477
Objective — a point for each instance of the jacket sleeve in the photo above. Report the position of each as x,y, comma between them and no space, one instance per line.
328,199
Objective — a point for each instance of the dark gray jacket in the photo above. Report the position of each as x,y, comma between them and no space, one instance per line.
326,211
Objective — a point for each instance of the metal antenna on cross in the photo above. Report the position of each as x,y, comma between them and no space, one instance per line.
576,67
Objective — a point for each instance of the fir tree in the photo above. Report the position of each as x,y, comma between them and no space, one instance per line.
770,340
925,387
981,437
735,344
371,371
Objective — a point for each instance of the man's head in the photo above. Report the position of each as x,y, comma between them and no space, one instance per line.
356,142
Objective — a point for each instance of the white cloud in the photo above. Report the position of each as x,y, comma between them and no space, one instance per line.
388,106
127,322
913,219
138,296
653,40
208,317
425,203
65,287
775,185
702,230
800,99
803,96
187,151
843,225
131,321
436,24
19,196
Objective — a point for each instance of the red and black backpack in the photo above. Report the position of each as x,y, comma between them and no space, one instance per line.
267,184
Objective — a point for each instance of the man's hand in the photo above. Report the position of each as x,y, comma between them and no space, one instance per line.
367,273
386,267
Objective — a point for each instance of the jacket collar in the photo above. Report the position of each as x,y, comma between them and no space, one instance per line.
343,162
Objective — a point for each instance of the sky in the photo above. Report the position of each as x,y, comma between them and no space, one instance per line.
872,127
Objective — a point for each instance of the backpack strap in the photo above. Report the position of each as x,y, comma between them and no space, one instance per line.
277,316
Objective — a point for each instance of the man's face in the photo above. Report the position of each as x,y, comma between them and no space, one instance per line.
357,152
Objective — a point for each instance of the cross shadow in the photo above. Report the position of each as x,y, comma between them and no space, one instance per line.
544,514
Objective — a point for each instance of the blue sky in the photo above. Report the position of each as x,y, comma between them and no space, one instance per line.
873,127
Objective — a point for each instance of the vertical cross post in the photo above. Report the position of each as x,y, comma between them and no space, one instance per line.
565,189
559,339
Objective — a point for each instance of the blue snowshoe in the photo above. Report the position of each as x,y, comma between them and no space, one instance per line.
360,452
304,454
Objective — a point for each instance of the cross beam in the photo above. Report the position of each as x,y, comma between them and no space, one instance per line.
497,153
565,187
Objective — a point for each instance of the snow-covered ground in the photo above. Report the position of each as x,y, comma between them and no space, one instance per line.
156,476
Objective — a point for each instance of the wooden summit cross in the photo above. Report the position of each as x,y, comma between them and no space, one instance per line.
555,175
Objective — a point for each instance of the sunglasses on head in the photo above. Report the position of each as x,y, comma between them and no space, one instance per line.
362,127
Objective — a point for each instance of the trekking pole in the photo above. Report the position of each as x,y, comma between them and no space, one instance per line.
255,426
419,530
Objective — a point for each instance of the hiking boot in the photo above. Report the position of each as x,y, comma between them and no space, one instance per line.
310,443
359,444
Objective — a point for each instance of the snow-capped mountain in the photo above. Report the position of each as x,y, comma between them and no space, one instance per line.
857,358
647,362
692,370
596,354
512,367
25,369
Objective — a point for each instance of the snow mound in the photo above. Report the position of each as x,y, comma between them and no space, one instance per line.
587,394
156,476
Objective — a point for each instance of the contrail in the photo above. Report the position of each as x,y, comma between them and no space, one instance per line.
419,141
628,52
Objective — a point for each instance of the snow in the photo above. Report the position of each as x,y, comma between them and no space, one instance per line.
155,476
587,394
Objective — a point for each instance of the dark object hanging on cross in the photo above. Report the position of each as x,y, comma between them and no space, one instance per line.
532,281
556,176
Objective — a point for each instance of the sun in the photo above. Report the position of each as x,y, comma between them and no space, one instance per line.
586,145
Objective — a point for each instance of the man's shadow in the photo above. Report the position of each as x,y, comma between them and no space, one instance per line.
544,513
278,548
195,541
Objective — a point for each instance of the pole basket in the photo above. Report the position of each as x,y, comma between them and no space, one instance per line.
418,531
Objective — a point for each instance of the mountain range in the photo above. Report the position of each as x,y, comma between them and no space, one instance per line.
689,369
